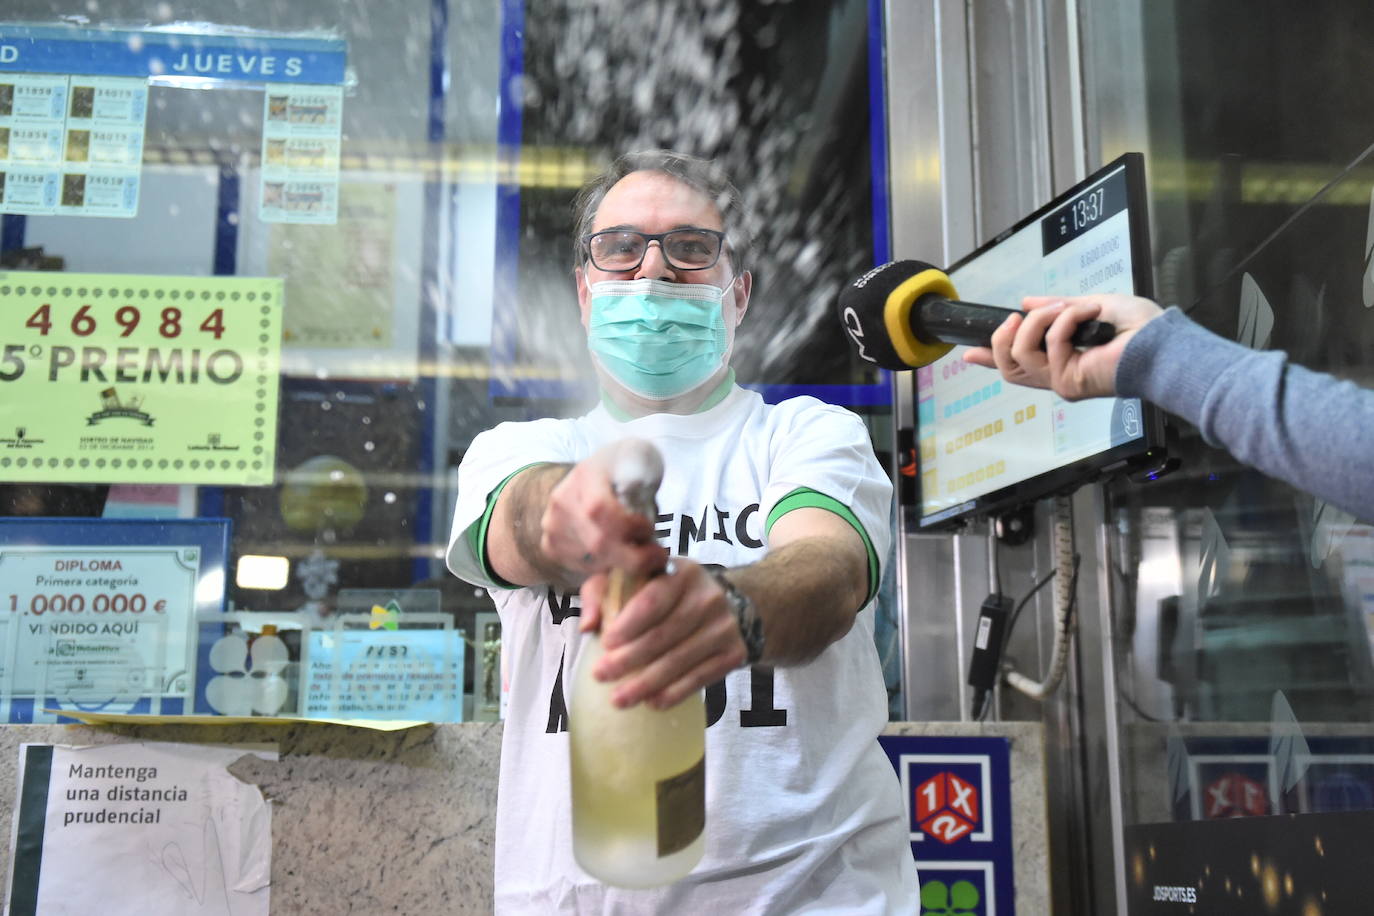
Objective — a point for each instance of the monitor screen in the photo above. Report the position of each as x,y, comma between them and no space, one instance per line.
985,445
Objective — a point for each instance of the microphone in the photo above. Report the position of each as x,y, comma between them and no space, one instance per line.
906,314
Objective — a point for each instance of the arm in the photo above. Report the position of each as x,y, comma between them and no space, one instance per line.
1307,428
681,635
817,562
1303,427
557,523
512,542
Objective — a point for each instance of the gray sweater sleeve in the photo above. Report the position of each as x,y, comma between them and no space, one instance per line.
1312,430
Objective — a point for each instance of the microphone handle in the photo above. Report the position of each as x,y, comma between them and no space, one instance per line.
970,324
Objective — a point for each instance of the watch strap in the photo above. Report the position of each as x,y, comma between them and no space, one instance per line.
746,616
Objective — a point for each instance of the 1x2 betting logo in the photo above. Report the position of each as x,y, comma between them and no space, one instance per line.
947,807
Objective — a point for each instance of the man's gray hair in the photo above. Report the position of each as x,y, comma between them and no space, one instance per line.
704,175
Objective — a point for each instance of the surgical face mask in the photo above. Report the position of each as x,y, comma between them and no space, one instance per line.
657,339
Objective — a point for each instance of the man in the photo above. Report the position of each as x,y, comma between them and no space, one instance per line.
803,810
1312,430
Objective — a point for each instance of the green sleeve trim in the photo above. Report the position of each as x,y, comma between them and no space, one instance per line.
477,531
806,498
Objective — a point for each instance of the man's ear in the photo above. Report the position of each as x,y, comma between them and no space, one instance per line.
584,296
743,284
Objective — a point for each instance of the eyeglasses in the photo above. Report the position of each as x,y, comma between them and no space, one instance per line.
616,250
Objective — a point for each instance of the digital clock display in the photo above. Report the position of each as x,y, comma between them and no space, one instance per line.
1105,199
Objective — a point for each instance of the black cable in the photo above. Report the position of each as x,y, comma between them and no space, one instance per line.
1073,601
1135,707
987,706
1006,632
1020,605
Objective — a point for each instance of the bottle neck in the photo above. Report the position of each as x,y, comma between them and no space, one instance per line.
619,589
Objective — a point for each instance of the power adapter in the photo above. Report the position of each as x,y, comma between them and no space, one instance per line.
987,650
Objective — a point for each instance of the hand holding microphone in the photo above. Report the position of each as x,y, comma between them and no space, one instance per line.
1039,349
906,314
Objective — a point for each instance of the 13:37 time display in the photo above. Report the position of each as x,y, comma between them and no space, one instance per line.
1089,208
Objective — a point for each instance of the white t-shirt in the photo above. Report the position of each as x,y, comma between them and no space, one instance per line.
803,809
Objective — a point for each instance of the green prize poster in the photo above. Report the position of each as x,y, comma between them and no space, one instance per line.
114,378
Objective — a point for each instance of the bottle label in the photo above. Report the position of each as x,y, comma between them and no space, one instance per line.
681,808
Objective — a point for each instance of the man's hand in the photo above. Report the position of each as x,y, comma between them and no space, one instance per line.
676,635
586,527
1073,374
679,633
556,525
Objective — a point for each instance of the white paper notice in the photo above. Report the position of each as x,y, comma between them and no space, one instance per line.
103,160
33,109
138,828
71,145
301,136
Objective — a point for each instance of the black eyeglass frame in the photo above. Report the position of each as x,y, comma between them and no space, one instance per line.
654,237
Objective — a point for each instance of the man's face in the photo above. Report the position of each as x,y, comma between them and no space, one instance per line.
652,202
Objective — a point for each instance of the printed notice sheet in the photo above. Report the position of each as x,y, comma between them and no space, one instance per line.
139,828
33,111
301,136
98,627
387,672
71,145
103,155
118,378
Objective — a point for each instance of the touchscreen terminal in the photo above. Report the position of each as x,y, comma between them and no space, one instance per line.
984,444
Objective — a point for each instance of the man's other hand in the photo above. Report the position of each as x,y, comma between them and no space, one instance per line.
586,528
676,635
1072,373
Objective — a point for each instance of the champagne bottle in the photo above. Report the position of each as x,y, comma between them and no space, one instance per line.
638,774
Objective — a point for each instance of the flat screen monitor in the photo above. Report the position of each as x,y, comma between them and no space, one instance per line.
984,445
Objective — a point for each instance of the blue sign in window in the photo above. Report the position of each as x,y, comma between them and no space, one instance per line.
162,54
958,805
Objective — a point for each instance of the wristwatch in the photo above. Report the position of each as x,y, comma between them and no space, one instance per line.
746,616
